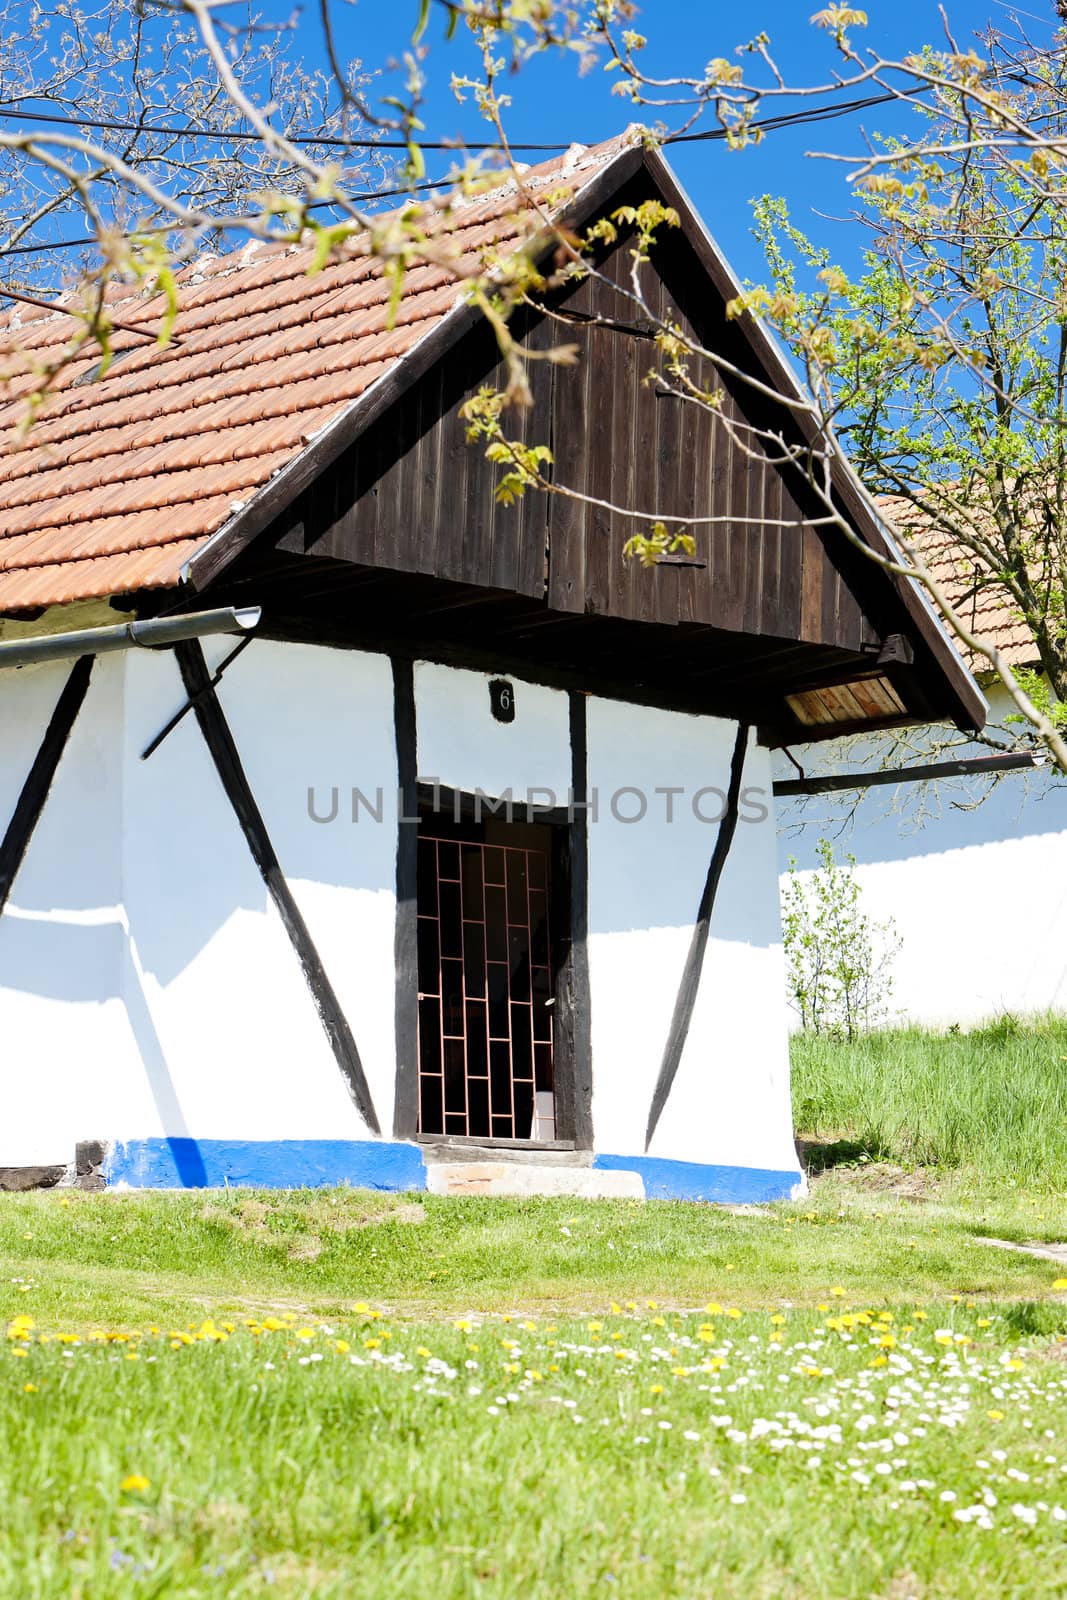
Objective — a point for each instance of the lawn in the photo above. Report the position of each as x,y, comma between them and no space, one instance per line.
333,1394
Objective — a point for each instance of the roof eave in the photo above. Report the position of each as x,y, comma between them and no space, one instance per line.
971,708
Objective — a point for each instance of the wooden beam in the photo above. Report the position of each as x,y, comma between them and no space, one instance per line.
973,766
405,944
34,793
574,1059
220,742
694,961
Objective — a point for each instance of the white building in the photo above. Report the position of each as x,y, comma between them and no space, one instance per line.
971,871
463,871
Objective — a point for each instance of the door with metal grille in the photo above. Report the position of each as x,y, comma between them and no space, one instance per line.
485,980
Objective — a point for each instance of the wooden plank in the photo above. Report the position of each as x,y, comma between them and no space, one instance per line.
811,580
770,600
602,555
689,983
406,1105
220,743
38,781
567,518
574,1053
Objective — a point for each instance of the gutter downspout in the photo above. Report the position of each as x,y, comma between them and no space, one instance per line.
154,633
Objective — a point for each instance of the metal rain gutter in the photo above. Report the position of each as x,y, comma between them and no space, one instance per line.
154,633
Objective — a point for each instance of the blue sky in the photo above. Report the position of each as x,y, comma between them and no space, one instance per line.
551,102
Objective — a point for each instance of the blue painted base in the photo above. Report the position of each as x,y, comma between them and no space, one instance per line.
384,1164
688,1180
265,1164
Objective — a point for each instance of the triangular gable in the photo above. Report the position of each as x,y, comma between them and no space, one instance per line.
133,489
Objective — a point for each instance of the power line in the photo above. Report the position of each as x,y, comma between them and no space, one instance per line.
335,141
788,119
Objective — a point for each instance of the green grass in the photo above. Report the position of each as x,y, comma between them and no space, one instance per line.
121,1259
271,1473
385,1459
551,1398
993,1101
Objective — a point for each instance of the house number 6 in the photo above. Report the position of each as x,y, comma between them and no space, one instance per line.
502,700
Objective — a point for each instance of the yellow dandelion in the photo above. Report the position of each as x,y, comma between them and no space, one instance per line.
135,1483
985,1322
1059,1283
29,1388
837,1291
995,1416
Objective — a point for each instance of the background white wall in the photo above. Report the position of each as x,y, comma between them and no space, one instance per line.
973,874
730,1101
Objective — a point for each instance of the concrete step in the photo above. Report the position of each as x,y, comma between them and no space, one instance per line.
517,1178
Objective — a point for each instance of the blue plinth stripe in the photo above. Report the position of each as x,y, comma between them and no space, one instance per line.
265,1164
689,1180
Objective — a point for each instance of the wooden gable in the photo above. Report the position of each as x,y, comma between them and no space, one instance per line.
410,495
771,607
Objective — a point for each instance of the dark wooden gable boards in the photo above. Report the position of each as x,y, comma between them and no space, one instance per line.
394,489
410,495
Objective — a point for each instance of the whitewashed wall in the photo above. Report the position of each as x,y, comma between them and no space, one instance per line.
231,1041
147,986
730,1101
148,991
973,874
66,1053
462,746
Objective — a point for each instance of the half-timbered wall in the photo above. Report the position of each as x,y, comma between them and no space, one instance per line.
155,993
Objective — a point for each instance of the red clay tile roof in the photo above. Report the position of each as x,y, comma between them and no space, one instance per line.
124,478
984,605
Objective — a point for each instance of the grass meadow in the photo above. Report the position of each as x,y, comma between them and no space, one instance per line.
333,1394
992,1100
